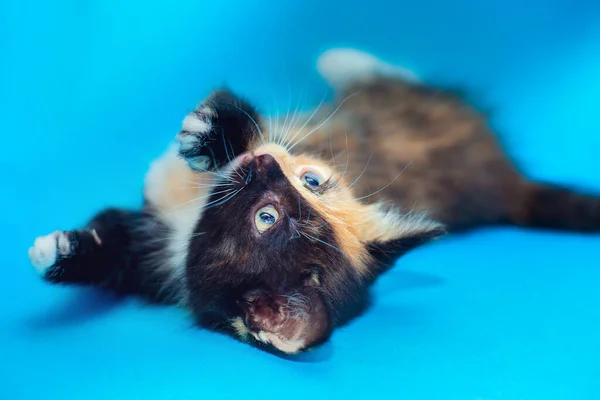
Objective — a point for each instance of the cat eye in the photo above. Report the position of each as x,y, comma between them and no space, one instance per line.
311,179
265,218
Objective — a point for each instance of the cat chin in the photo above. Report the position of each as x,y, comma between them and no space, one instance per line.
291,323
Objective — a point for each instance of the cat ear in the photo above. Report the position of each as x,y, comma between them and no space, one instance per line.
390,234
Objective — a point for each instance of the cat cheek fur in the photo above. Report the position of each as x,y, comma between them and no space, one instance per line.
390,234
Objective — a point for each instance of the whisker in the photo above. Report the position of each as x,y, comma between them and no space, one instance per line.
275,121
320,226
253,121
295,117
270,133
347,155
202,197
331,149
207,185
233,155
190,236
308,216
412,209
218,175
363,171
324,122
228,157
308,120
309,237
289,107
386,186
198,176
221,201
212,153
292,223
249,177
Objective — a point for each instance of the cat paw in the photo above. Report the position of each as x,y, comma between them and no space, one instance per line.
196,133
47,250
219,129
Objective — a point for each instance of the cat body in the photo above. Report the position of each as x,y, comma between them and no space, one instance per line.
273,230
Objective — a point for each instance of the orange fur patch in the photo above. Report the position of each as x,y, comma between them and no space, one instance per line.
171,186
343,213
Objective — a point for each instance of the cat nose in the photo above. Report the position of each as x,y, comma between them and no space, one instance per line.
264,162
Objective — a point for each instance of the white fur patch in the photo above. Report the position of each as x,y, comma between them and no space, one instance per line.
343,66
240,328
398,225
291,346
182,225
157,189
195,127
193,123
46,249
206,110
180,218
187,141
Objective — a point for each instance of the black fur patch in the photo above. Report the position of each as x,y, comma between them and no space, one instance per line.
235,124
386,253
231,258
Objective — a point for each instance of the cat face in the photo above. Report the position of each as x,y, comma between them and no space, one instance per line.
284,252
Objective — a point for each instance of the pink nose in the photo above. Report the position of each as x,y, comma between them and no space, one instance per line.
264,161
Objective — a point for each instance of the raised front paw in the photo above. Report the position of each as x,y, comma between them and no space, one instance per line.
47,251
197,133
219,129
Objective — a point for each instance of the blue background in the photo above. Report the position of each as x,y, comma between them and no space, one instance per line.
92,91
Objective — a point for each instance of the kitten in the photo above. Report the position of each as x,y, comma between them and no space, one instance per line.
273,231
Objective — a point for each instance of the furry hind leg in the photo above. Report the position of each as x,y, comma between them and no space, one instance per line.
118,250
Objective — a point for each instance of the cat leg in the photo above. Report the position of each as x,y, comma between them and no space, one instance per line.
119,250
219,129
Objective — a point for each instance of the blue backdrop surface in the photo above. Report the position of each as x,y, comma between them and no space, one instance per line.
91,91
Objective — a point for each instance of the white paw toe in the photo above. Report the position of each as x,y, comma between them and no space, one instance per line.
64,245
187,141
197,122
46,249
195,128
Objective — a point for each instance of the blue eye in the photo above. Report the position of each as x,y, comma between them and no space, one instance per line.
265,218
311,179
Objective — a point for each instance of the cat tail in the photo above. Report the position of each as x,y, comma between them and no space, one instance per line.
554,207
342,67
